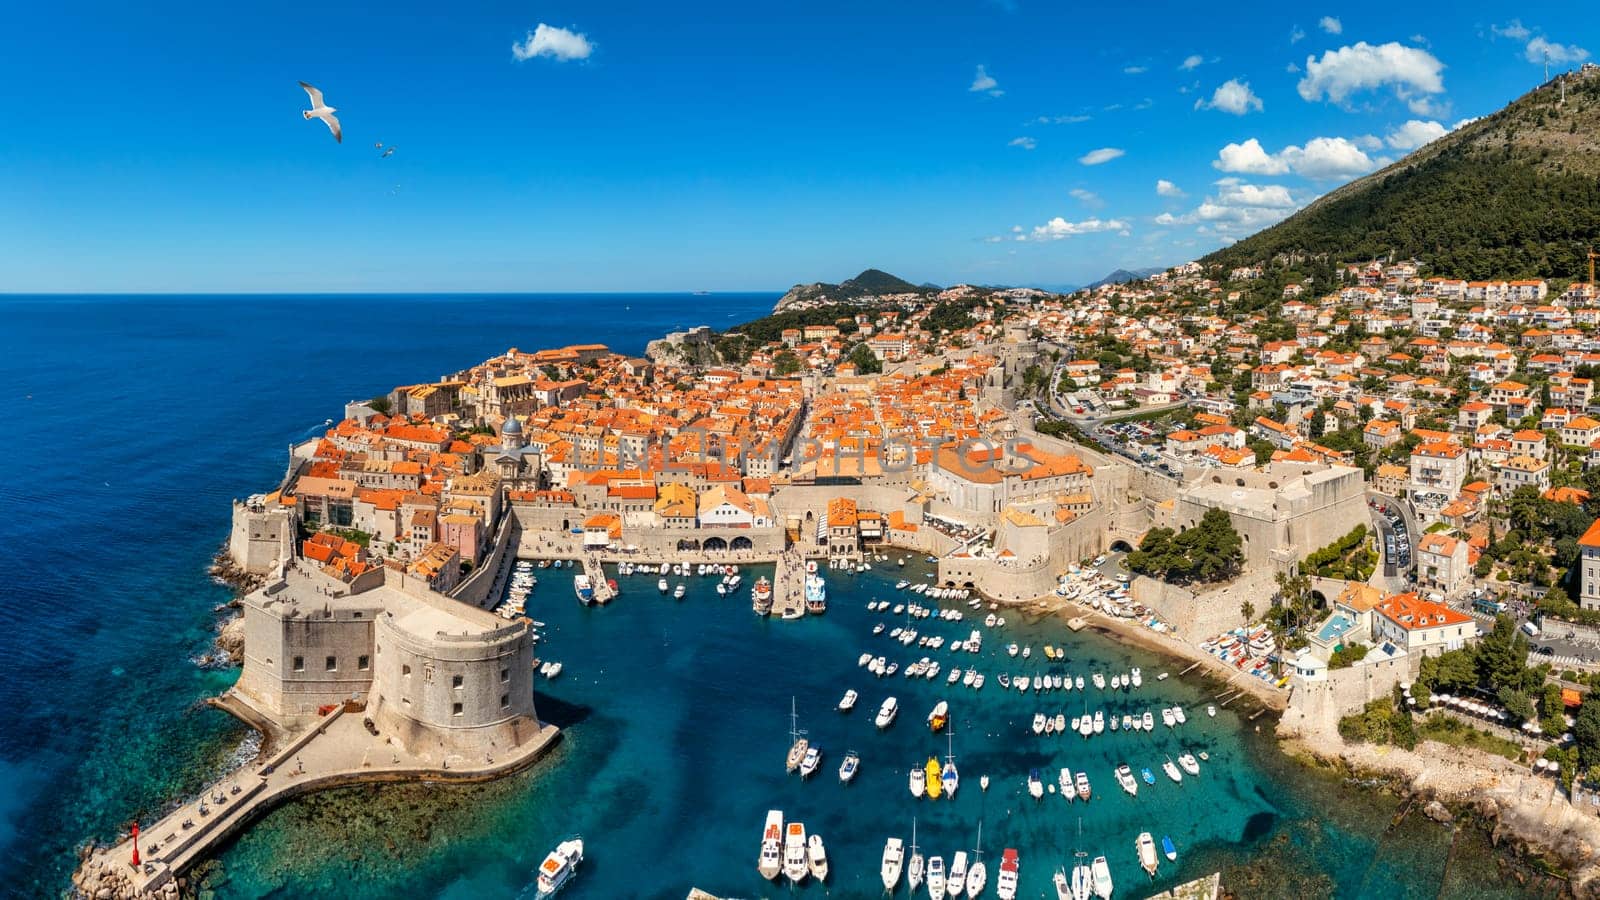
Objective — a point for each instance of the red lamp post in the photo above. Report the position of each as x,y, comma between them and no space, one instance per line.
136,845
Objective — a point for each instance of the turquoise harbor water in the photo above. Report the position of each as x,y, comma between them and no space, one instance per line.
139,418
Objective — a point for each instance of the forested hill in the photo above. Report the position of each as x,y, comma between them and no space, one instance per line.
1514,194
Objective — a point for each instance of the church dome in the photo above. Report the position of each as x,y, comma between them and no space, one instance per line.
511,426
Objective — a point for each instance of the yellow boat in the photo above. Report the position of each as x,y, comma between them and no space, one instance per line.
1049,652
934,781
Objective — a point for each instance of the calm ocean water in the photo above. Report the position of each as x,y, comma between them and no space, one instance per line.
136,420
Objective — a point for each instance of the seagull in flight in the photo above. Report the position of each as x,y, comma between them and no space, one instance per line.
321,110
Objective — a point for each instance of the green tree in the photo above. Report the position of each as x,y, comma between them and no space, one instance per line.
866,362
785,363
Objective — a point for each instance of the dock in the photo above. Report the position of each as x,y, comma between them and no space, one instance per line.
789,586
1207,888
338,750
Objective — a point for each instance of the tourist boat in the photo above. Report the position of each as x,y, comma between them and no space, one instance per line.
1136,676
955,880
1211,710
1126,779
1038,723
1168,849
761,597
813,759
1172,771
679,591
560,866
1081,780
1149,721
919,782
1178,715
771,862
1102,878
584,588
794,853
1035,785
914,865
848,701
935,877
662,586
1005,886
1147,853
817,858
933,783
894,854
1186,760
887,712
816,594
847,769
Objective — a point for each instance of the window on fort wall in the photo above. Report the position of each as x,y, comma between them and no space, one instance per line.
456,682
299,663
363,663
405,671
505,675
332,663
455,709
505,701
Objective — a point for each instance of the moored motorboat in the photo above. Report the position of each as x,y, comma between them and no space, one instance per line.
1081,780
932,780
939,716
1147,853
1065,781
887,712
1102,878
935,877
817,858
914,865
1187,762
1211,710
955,880
662,586
1168,849
919,782
1061,723
1126,779
1035,785
894,854
1149,722
584,588
795,866
847,769
1172,771
848,701
812,760
1082,879
1038,723
771,861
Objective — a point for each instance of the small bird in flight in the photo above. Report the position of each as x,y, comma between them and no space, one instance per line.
322,111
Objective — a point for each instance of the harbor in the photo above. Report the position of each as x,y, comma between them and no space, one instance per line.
676,722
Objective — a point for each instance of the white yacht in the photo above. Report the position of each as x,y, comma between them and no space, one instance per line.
919,781
894,854
1099,681
1172,772
935,877
887,712
1178,715
848,701
1102,878
914,864
847,769
560,866
1126,779
794,853
1188,763
813,759
1136,676
771,846
661,585
1147,852
955,880
817,858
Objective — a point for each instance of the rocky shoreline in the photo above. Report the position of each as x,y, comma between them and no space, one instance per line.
1523,812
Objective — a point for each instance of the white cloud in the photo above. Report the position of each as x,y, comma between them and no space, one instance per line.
1539,49
1368,142
1059,120
1086,197
1462,123
1416,133
1135,70
984,83
1166,188
1059,228
1297,34
1232,96
1193,61
1102,155
1321,158
1412,72
556,43
1331,25
1292,68
1026,143
1237,207
1513,29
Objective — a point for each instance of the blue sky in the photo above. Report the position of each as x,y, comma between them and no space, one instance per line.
720,146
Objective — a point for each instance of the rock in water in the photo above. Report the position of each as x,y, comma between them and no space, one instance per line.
1437,812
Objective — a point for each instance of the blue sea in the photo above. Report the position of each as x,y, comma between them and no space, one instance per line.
135,420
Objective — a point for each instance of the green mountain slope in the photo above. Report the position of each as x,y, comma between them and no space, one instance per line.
1514,194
